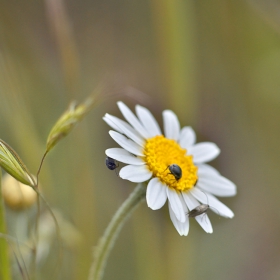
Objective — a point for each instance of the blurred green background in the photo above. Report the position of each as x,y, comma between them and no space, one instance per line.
215,63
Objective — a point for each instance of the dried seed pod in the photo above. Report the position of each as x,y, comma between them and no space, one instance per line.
74,114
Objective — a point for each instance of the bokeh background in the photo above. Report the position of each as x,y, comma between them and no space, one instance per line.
215,63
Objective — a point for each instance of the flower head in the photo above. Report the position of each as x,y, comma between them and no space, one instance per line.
174,166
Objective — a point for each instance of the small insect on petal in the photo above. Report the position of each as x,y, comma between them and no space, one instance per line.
199,210
176,171
111,163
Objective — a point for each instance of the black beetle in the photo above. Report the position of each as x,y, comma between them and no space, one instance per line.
175,170
111,163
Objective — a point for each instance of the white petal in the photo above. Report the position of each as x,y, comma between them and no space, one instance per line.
171,125
126,143
204,222
116,122
215,205
216,184
148,121
156,194
190,201
136,174
127,129
124,156
130,117
204,152
187,137
182,228
176,204
112,124
200,195
204,168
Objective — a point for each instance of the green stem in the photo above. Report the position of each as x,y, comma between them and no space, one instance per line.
5,273
106,242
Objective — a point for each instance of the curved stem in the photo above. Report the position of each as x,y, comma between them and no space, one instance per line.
40,166
35,187
107,241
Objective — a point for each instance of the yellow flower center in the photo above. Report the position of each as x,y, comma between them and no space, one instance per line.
160,153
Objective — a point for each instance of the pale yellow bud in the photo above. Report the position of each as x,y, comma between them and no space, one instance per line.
17,195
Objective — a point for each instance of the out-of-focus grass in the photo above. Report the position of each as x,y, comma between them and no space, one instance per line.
174,33
213,62
5,273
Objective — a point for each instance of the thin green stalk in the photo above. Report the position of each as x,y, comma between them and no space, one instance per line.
106,242
5,273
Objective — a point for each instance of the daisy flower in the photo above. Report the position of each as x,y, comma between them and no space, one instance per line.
172,164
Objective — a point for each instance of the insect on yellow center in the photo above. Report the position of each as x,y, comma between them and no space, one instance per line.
160,153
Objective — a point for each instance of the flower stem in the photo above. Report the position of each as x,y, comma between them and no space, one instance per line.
106,242
4,256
